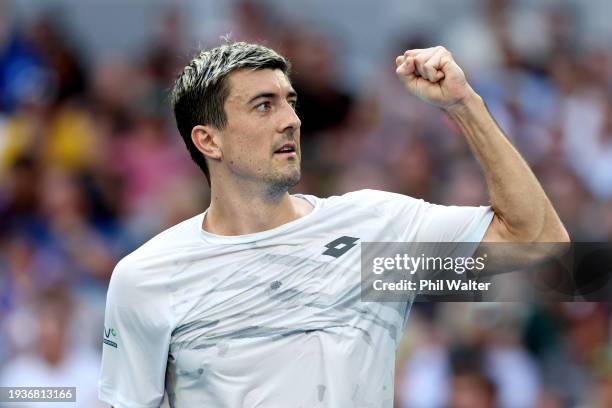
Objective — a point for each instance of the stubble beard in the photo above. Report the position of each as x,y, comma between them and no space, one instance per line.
279,184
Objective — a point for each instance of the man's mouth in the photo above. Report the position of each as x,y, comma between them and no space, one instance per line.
287,149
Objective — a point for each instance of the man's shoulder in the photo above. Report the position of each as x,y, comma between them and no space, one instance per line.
375,200
162,249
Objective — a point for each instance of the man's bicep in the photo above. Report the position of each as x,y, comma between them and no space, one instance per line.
506,254
498,231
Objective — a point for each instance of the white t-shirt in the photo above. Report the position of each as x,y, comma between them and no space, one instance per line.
271,319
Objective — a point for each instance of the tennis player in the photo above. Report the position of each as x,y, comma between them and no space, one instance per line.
256,301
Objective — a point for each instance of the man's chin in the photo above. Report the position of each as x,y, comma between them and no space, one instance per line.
282,183
290,180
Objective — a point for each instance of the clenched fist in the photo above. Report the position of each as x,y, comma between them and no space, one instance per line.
433,76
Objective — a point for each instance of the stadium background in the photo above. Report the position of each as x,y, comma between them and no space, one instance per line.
91,166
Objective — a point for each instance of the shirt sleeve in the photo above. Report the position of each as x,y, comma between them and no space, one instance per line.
453,223
437,230
416,220
136,338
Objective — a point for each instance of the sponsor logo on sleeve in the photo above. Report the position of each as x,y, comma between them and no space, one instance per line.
110,335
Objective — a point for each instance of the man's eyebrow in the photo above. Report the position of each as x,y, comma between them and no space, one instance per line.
291,94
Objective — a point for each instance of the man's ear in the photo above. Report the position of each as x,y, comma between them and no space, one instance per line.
206,139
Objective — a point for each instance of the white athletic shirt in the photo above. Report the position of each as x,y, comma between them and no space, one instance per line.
271,319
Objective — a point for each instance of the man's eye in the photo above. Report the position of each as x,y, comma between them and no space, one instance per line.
263,107
293,103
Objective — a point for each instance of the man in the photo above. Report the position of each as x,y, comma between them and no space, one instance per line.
256,302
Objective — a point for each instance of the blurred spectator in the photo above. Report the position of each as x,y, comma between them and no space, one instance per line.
479,361
587,133
472,390
424,378
322,105
24,77
58,55
55,359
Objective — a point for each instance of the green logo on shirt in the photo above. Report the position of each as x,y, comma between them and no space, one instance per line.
107,334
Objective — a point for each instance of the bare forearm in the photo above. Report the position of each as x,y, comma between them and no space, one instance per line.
517,197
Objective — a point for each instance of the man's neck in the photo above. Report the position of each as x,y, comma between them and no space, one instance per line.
240,214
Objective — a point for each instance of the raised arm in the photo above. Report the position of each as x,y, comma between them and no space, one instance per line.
523,213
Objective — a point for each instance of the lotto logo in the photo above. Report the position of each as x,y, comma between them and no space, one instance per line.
338,247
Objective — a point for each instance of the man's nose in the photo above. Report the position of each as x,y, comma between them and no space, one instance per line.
290,121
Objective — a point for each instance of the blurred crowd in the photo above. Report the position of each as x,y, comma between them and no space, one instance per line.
91,166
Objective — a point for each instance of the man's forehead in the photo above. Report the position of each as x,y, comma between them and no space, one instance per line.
246,82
